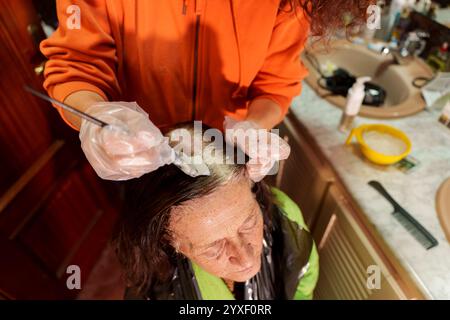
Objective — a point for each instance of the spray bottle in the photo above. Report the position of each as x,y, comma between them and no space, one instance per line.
355,98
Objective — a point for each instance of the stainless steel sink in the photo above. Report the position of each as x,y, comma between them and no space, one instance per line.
403,99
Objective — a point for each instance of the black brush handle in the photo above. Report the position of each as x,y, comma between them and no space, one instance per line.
73,110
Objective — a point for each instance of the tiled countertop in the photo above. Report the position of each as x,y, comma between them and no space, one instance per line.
415,191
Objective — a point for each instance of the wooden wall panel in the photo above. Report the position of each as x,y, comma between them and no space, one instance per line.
54,210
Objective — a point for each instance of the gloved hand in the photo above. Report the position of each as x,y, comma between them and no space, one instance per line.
263,147
130,146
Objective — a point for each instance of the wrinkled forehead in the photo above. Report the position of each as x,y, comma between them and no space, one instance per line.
214,216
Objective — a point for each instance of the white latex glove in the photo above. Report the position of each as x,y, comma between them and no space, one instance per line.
129,147
263,147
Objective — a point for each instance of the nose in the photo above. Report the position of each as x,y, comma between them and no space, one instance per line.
240,253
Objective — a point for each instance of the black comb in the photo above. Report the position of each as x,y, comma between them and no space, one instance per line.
406,220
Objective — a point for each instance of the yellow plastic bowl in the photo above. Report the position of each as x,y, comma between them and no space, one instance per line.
375,156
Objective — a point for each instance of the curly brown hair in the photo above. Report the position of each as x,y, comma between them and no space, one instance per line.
328,16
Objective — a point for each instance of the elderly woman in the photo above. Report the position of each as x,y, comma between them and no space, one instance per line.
219,236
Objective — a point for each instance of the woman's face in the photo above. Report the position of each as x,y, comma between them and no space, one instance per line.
221,232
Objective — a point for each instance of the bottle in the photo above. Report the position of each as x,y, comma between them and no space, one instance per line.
422,6
382,33
432,12
396,10
443,52
401,24
355,98
438,58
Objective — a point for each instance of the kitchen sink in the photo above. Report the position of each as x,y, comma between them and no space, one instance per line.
402,97
443,207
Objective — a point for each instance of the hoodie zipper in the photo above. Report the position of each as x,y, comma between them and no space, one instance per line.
196,44
194,87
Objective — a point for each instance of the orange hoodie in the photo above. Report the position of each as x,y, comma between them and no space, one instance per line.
180,60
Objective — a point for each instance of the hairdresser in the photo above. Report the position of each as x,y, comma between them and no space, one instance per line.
180,61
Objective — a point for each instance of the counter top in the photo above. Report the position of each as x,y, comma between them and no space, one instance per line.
415,191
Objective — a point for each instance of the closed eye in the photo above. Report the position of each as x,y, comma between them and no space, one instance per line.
250,224
214,252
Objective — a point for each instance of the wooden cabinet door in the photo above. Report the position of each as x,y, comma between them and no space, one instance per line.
348,260
54,210
302,176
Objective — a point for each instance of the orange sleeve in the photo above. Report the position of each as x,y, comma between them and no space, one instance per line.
281,75
81,58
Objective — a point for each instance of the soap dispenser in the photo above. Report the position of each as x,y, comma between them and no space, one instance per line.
355,98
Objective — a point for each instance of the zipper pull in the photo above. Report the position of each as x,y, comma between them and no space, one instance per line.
198,7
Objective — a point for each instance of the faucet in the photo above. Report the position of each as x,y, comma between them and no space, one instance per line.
411,47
